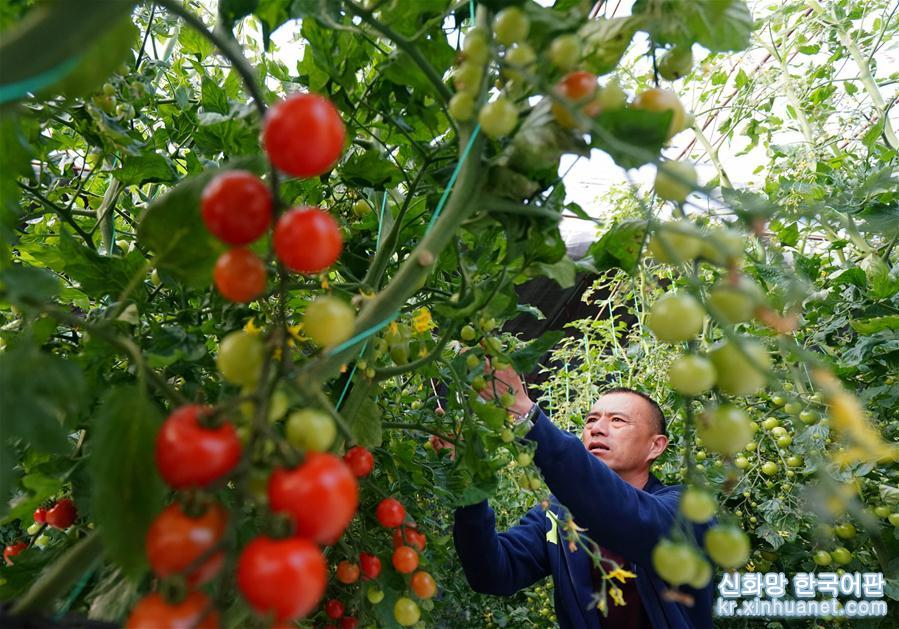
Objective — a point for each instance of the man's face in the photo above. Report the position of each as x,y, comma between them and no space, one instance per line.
620,431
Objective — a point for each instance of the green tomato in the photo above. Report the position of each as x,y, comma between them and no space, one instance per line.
770,423
472,361
535,483
680,238
361,208
42,540
34,528
329,321
841,555
674,562
374,594
154,278
498,118
467,77
676,63
736,303
882,511
493,345
723,247
524,459
794,461
311,429
845,530
691,375
769,468
611,97
565,51
479,383
675,180
676,317
520,57
507,399
507,435
727,545
778,431
823,558
784,441
476,48
741,462
792,408
808,417
399,352
778,400
406,611
894,519
725,429
487,324
510,26
461,106
467,333
750,447
700,456
737,375
702,573
277,405
240,358
697,505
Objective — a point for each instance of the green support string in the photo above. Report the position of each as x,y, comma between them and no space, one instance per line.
15,91
453,177
381,216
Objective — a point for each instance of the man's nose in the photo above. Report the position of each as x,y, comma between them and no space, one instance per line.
600,426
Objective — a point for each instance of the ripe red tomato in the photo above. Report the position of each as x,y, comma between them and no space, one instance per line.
360,461
62,515
307,240
191,455
303,135
405,559
237,207
334,609
320,496
390,513
239,275
423,584
349,622
12,550
409,536
176,540
285,577
153,612
577,86
347,572
370,565
40,515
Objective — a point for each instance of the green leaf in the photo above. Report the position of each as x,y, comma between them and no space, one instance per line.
97,275
875,324
40,392
562,272
173,228
718,25
48,44
27,285
149,167
127,492
632,137
605,40
363,414
882,281
404,72
789,235
620,246
370,169
525,359
40,489
492,415
15,161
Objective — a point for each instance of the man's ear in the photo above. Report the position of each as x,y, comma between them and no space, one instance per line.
658,446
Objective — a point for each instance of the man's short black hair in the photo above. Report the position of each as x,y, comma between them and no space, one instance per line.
658,414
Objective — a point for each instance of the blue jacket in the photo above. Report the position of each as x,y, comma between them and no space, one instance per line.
616,515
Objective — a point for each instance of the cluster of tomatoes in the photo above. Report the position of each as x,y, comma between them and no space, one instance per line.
304,137
61,515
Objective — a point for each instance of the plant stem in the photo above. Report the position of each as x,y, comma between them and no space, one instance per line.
60,576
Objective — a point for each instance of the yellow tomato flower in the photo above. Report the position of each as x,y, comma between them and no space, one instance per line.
621,574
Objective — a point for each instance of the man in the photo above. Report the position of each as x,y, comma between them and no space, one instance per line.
604,482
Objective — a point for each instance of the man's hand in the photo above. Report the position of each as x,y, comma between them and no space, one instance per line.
506,381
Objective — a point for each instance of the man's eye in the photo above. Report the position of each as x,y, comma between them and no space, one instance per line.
617,419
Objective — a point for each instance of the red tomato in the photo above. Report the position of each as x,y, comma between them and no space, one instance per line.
153,612
349,622
360,461
239,275
334,609
423,584
390,513
40,515
307,240
176,540
12,550
409,536
370,565
347,572
303,135
405,559
320,496
191,455
237,207
577,86
285,577
62,515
